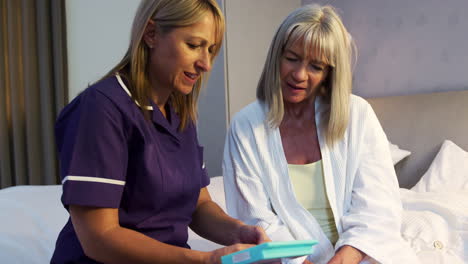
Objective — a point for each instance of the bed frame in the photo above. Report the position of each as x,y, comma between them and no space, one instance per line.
420,123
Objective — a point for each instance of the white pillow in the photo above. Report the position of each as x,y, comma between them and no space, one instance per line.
31,219
433,224
448,171
216,189
397,153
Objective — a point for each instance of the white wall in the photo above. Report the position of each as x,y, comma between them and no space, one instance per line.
407,47
250,29
98,33
212,114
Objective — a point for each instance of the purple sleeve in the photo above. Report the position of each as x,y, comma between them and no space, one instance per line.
93,151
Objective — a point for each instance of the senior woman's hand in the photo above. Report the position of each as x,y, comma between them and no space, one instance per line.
347,255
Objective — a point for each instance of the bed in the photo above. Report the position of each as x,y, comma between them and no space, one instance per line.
429,140
433,128
32,216
420,123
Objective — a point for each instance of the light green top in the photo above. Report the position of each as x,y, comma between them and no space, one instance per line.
309,187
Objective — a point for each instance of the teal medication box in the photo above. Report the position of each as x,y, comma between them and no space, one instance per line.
271,251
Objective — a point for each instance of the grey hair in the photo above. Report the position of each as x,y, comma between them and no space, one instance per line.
324,35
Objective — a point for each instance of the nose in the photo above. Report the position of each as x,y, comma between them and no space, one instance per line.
300,73
204,62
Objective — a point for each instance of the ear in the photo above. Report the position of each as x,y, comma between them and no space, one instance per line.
149,35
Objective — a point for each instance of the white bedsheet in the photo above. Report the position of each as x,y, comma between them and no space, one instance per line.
31,218
436,225
435,219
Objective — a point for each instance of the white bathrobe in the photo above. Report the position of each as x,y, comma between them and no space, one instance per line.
359,176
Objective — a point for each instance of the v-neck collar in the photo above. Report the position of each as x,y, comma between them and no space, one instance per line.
170,124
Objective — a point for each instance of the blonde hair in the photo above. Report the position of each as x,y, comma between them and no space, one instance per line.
324,35
168,14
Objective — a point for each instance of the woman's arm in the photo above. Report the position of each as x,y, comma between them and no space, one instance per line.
212,223
372,222
104,240
246,195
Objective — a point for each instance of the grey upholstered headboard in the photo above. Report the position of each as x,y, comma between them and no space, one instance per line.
420,123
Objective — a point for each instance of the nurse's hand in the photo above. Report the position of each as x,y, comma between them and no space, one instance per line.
248,234
254,235
214,257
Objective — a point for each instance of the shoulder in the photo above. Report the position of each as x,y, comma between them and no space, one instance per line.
359,108
104,100
99,97
252,115
358,103
114,90
249,122
361,116
104,91
111,95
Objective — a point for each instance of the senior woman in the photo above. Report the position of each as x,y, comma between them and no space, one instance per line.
309,160
131,167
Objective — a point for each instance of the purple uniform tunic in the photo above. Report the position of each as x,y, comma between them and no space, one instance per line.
112,157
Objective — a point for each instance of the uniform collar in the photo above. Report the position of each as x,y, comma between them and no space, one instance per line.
170,124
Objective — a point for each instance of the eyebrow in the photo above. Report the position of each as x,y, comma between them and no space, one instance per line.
203,40
293,53
297,55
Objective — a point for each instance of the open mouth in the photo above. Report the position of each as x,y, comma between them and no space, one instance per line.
192,76
294,87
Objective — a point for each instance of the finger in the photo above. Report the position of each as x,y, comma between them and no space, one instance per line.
216,255
239,247
262,236
250,234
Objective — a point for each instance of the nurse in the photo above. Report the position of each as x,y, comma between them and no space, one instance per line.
309,160
132,169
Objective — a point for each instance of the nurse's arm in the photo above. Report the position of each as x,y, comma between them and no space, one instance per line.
212,223
104,240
